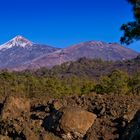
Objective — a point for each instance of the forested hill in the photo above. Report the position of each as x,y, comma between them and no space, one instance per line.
93,68
80,77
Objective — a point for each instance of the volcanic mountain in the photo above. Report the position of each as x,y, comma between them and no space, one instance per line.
90,49
19,51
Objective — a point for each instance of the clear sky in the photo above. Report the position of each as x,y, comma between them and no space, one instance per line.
62,23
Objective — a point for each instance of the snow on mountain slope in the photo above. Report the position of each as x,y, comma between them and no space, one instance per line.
17,41
20,50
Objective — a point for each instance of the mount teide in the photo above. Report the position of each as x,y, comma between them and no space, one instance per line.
20,53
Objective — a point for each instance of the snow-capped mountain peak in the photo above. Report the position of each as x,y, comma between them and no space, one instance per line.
17,41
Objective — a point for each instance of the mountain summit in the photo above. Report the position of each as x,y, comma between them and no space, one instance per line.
18,41
19,51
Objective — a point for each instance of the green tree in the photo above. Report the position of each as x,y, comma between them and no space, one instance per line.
134,84
88,86
131,30
116,82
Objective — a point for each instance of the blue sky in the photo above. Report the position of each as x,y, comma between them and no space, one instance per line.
62,23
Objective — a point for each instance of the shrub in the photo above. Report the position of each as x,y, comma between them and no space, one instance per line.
115,82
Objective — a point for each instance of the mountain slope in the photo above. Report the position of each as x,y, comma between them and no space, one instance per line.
90,49
19,51
91,68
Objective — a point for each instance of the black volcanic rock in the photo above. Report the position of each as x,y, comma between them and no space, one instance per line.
19,51
90,49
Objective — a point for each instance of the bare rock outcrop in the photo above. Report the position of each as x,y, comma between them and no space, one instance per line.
69,122
15,118
15,107
76,122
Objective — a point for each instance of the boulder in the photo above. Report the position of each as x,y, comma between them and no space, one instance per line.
76,122
57,104
15,107
4,137
15,118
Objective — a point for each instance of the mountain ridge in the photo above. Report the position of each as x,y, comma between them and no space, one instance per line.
20,53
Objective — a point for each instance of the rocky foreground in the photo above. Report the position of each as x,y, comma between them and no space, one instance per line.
86,117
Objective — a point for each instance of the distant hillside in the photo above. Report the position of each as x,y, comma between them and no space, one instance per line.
92,68
90,49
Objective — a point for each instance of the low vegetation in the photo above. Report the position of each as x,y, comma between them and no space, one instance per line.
73,78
